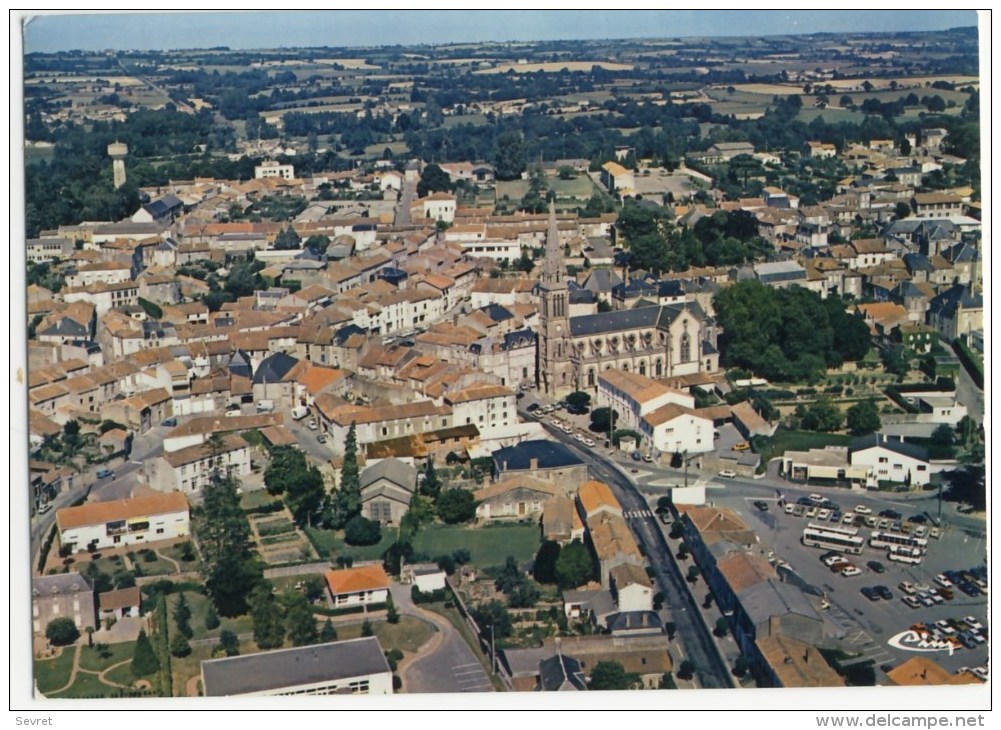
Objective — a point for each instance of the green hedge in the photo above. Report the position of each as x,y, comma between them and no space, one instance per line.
161,644
324,611
971,361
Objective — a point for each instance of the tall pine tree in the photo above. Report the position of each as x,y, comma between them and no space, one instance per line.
348,501
231,567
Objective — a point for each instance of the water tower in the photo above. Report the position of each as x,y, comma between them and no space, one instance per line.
117,152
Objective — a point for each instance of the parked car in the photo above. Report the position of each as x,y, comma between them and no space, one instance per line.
917,519
945,627
805,501
823,515
312,425
104,473
946,593
911,601
742,446
850,571
943,581
973,623
907,588
647,458
885,593
836,517
637,456
869,592
876,567
730,474
321,437
169,422
811,513
891,514
968,588
789,509
532,407
763,506
925,599
849,518
831,560
966,639
862,509
816,498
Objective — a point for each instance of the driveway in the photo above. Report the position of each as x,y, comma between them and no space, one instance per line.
446,663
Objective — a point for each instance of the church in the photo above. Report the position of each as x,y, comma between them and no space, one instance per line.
658,341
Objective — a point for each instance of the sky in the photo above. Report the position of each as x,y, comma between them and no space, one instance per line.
160,31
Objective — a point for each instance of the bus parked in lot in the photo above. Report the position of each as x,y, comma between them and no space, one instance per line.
906,555
829,540
889,540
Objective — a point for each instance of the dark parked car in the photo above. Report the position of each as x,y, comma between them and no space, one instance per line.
637,456
105,473
763,506
871,593
876,567
885,593
917,519
532,407
968,588
891,514
806,502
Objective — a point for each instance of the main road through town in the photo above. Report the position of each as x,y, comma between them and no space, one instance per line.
692,633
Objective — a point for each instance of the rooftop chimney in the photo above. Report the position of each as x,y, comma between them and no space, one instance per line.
533,464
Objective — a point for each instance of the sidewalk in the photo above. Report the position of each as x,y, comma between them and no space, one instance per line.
700,590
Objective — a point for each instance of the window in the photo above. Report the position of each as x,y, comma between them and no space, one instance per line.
883,460
922,467
686,347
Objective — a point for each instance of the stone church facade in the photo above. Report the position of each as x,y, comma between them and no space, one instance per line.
658,341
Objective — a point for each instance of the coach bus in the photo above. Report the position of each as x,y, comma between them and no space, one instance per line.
828,540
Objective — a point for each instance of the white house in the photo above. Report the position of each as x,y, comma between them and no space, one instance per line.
674,429
364,585
427,577
121,522
190,469
633,396
488,407
891,460
271,168
631,587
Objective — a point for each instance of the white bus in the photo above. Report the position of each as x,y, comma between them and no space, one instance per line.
829,540
907,555
889,540
837,529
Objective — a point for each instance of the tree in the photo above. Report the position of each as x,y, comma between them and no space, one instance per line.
456,505
578,402
362,531
366,628
317,243
693,573
434,179
722,627
211,618
944,438
612,675
269,630
300,625
603,419
509,158
901,210
347,501
494,614
822,415
686,670
392,615
574,566
182,617
431,484
287,239
328,633
144,660
230,566
61,631
545,561
863,418
180,646
229,643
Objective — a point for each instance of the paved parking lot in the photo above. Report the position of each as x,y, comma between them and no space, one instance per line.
865,627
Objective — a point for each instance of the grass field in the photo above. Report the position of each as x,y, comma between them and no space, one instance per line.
459,119
786,440
531,68
330,544
53,674
91,660
199,605
488,546
407,635
580,187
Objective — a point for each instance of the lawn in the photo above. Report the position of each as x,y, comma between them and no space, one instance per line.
87,686
257,498
175,551
152,567
786,440
408,635
199,605
330,544
91,660
53,674
488,546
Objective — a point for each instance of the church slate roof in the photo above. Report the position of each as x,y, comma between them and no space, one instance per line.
622,320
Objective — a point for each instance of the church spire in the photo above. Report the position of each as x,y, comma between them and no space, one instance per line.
553,269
